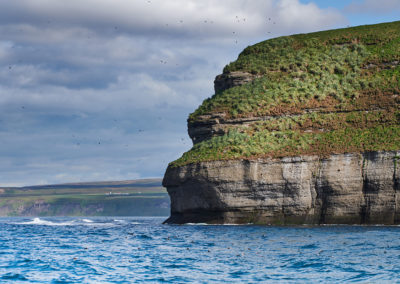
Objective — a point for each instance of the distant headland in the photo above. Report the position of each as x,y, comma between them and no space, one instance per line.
145,197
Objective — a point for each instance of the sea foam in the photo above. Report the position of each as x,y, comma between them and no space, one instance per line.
38,221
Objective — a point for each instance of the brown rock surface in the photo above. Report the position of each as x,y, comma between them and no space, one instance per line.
232,79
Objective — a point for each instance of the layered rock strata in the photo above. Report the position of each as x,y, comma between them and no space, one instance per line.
232,79
209,126
342,189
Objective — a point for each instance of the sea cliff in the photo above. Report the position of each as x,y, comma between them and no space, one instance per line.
341,189
302,129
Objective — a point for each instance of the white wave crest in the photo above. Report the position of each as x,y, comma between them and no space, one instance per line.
38,221
206,224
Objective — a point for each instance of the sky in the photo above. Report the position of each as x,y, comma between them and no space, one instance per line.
95,90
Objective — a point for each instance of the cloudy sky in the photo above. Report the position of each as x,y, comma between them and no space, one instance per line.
101,89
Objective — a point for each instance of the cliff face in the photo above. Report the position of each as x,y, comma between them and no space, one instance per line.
232,79
217,124
341,189
302,130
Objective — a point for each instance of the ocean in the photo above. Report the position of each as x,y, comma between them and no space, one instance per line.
136,250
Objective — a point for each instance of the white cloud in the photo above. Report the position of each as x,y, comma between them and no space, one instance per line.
76,66
5,46
306,17
204,18
129,92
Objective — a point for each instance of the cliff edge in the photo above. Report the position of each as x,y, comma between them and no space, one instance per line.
303,129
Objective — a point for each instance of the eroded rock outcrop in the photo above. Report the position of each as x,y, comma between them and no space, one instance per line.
341,189
302,129
232,79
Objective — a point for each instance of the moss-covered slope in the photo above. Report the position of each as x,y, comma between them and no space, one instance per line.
320,93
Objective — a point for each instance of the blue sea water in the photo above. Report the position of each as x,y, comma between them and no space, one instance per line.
135,250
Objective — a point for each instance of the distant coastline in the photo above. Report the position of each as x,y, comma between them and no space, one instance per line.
144,197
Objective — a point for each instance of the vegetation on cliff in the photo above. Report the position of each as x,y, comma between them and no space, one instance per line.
320,93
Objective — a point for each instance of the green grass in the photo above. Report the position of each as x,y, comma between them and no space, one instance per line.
378,42
318,66
349,77
325,121
236,145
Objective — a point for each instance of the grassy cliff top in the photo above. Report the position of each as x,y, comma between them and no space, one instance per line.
353,71
380,43
329,67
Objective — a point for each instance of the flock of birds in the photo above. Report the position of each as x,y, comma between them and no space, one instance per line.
237,19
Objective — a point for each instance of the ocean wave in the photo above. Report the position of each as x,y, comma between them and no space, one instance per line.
38,221
14,276
225,224
82,222
108,250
